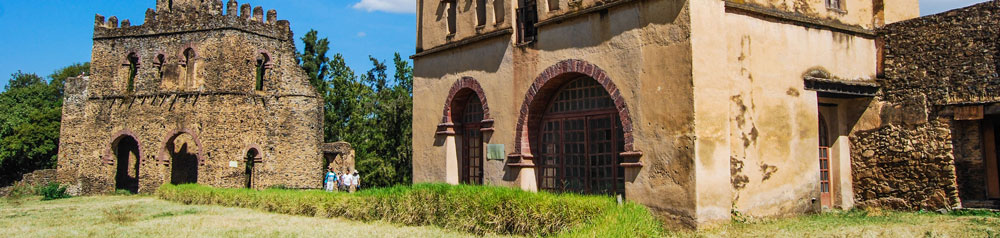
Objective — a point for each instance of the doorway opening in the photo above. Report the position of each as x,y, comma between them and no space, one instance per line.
252,158
184,159
127,164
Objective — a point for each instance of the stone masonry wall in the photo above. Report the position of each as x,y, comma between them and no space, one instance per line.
194,90
930,64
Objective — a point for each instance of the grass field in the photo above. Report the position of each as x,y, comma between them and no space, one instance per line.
144,216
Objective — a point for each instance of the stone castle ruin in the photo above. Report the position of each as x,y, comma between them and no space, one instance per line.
194,95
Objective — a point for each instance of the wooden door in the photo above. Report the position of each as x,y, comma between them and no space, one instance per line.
990,131
826,199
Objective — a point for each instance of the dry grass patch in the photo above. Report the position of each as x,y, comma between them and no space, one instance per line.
151,217
864,224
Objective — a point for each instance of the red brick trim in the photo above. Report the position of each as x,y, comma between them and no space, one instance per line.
164,157
548,83
260,153
268,60
459,89
109,154
138,57
194,51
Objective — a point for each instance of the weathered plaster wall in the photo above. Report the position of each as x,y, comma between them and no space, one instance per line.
432,22
775,117
766,138
931,64
489,62
216,105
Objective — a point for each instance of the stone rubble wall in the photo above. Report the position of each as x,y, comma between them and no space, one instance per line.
930,63
37,178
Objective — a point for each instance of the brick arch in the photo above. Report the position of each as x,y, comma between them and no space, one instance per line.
164,157
544,88
260,153
461,88
109,153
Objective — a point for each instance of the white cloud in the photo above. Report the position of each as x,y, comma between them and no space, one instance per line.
393,6
362,34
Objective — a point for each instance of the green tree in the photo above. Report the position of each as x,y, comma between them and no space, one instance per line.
30,113
20,80
372,111
314,61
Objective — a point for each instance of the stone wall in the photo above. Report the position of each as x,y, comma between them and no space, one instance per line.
930,64
194,95
37,178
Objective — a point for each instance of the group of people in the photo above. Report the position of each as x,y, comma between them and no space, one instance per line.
345,182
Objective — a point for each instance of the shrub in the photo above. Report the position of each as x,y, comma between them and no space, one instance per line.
52,191
122,192
121,214
475,209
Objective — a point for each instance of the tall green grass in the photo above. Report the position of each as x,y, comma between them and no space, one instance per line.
475,209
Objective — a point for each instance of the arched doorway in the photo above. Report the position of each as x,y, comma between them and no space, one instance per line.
252,157
183,151
126,149
471,162
826,198
578,140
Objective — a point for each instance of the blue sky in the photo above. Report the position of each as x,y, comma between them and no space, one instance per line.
41,36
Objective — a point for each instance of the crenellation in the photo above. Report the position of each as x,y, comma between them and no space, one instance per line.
258,14
112,22
208,15
272,16
245,11
98,20
126,23
232,9
150,15
214,7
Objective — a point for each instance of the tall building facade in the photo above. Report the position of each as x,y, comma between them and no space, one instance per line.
694,109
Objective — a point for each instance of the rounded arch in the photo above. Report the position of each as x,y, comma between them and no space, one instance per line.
264,57
255,147
164,156
824,132
548,83
188,52
460,90
109,152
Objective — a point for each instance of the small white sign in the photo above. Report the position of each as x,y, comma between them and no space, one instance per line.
234,164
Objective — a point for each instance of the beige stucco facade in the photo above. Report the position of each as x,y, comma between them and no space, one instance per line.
715,114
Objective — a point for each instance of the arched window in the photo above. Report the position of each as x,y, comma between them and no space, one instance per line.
262,64
190,58
158,63
133,70
580,141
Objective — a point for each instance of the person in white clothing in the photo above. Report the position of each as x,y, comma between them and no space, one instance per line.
355,181
345,181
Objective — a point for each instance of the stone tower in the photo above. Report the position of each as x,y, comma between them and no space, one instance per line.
201,92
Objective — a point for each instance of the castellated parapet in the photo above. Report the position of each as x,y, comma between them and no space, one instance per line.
195,94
